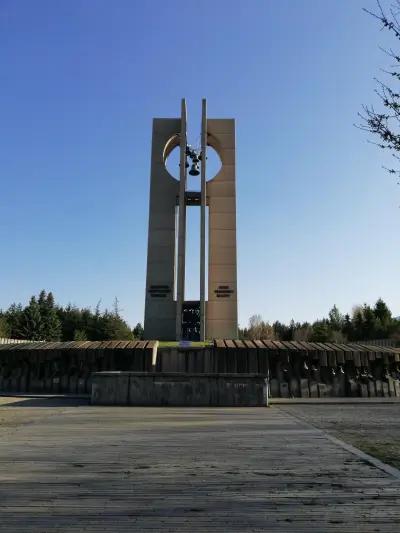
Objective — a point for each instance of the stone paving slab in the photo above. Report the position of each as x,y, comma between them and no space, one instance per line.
68,466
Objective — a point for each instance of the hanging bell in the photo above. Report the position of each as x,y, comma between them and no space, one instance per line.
194,171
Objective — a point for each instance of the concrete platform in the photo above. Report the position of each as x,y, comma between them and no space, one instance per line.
66,466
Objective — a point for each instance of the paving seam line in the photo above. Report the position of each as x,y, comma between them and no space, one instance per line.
390,470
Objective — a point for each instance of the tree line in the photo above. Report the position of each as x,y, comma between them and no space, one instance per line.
363,324
43,319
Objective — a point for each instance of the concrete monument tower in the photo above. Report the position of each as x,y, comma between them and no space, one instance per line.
168,316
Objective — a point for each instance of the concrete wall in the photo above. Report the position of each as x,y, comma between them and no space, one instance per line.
67,367
127,388
295,369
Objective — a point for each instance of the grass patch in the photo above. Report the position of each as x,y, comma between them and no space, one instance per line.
387,451
175,344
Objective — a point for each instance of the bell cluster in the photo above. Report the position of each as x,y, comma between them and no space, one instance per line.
195,156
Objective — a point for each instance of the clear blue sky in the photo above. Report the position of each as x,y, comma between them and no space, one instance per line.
81,80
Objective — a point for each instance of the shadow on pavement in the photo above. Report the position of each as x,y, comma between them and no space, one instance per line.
44,402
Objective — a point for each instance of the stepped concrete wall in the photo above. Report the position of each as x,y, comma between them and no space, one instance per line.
294,369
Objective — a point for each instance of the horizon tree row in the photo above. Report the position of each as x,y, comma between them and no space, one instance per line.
43,319
364,323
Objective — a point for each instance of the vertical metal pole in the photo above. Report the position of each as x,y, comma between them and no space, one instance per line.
203,221
180,293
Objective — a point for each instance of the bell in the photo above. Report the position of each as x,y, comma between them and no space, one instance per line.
194,171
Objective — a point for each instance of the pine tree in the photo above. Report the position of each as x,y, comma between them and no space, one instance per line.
382,311
138,331
321,331
80,335
347,327
358,323
31,327
369,323
14,317
335,318
4,326
51,325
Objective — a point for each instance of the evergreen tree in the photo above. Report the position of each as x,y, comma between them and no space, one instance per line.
51,325
14,318
321,331
382,312
369,323
347,328
31,323
358,323
4,326
80,335
335,319
138,331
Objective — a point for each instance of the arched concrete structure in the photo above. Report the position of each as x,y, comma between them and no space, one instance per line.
167,233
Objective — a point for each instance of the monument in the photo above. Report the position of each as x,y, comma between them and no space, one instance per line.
168,316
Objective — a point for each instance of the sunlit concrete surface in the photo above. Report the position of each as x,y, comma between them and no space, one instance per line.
69,466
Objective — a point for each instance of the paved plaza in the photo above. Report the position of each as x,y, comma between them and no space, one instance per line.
68,466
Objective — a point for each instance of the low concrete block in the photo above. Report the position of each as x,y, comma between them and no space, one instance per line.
15,383
274,388
284,389
294,388
322,390
135,388
371,389
313,389
110,388
64,383
385,388
304,390
23,385
73,384
56,384
391,387
352,387
36,385
81,385
339,386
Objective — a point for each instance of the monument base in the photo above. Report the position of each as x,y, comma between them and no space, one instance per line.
157,389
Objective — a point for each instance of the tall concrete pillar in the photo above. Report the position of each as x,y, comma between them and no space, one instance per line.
160,306
180,279
221,193
203,203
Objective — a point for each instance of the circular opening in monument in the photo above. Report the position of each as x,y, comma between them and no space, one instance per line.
193,182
